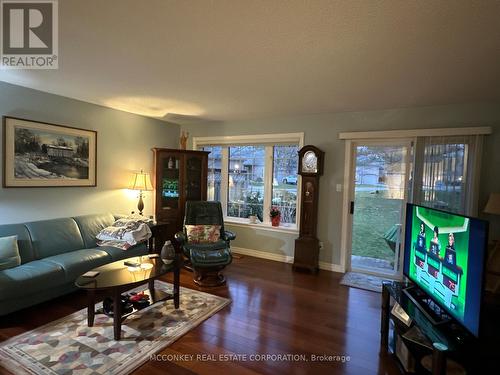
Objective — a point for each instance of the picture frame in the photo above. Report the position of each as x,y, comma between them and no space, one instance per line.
42,154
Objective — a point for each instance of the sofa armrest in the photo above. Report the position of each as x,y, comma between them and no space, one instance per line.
181,239
228,235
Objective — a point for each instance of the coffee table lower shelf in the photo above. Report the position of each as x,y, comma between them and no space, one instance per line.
155,295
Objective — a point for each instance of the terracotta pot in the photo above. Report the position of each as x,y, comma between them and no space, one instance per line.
275,221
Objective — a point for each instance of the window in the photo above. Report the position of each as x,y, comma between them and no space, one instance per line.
246,181
285,179
214,173
442,177
251,174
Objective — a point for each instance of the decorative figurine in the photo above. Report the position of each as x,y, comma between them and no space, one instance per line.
183,140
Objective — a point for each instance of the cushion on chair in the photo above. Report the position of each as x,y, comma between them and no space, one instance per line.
219,257
203,233
76,263
208,255
9,253
30,278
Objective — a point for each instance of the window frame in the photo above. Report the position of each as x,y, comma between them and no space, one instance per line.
268,141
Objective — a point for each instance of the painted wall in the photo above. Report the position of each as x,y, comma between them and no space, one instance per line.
322,130
124,143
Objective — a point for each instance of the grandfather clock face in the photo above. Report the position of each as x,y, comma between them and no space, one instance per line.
310,162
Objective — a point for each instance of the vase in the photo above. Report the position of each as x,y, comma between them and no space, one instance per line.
167,254
275,221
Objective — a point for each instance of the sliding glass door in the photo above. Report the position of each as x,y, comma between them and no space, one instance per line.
380,189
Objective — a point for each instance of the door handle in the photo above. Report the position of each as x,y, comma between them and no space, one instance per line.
351,210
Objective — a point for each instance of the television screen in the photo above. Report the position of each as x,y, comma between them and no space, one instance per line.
444,256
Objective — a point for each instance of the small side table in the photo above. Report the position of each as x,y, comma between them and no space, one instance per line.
159,236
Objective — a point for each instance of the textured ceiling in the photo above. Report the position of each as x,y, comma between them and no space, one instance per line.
238,59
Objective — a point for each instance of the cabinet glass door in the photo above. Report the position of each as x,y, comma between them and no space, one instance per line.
170,182
193,178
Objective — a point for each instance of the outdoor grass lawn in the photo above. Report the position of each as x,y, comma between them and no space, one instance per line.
373,216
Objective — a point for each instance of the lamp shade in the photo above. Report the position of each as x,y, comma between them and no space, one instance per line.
141,181
493,205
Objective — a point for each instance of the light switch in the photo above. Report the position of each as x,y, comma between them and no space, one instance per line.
339,188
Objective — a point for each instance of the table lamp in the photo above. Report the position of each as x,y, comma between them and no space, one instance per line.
493,205
142,182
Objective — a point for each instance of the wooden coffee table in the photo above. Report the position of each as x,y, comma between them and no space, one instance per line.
116,278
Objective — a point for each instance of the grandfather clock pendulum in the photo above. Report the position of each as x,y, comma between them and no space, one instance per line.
311,160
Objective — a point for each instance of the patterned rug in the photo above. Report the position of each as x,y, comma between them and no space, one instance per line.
363,281
68,346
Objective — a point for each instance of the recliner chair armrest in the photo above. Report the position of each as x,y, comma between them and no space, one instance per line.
228,235
180,237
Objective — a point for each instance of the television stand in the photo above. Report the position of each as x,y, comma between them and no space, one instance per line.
441,341
429,308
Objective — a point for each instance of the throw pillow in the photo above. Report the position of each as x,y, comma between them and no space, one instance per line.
203,233
9,253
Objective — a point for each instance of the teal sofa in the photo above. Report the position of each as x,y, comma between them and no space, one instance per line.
53,254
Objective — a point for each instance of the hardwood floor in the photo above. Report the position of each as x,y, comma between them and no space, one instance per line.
273,311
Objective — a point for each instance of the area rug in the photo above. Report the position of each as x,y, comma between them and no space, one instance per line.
363,281
68,346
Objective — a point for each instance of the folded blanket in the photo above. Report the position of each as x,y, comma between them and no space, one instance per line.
124,233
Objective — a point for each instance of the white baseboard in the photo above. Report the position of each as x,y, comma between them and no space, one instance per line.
282,258
262,254
331,267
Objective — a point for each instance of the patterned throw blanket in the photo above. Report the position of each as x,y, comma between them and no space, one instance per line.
125,233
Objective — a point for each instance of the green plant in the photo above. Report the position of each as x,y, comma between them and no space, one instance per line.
254,204
275,212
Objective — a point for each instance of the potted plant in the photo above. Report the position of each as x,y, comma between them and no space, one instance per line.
275,215
251,217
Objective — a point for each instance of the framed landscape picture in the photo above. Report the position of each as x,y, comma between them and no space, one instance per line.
38,154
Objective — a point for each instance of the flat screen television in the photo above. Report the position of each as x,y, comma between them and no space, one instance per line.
445,256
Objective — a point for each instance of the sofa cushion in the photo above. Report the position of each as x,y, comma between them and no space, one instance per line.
117,254
30,278
23,240
91,225
77,262
53,237
9,253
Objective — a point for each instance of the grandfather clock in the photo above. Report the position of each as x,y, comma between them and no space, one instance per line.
307,245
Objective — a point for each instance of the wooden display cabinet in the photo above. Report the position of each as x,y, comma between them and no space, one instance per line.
179,176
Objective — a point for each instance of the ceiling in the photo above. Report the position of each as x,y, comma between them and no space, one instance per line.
222,60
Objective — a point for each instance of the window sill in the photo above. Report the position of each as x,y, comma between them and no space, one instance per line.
290,229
